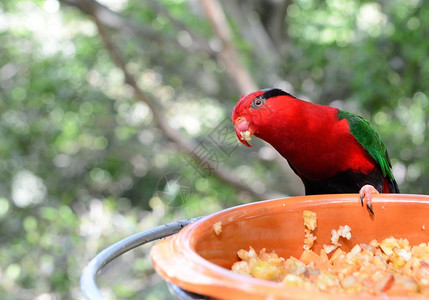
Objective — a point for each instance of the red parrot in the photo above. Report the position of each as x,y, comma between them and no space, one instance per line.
331,150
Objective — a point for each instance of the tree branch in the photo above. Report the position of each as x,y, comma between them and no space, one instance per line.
111,19
184,144
272,15
262,24
253,31
180,26
228,55
239,72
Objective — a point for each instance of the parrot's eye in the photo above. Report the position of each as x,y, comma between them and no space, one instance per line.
257,102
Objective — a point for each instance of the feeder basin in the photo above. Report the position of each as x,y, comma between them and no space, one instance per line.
198,260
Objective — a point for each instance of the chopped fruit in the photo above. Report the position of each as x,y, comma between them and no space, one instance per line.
390,267
217,227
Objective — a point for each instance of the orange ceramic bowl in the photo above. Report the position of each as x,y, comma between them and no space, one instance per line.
198,260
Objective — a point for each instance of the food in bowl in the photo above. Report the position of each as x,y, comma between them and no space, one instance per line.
391,266
217,227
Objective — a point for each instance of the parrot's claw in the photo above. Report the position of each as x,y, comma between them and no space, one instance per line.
365,194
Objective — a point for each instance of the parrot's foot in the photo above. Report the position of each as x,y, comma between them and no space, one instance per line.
365,194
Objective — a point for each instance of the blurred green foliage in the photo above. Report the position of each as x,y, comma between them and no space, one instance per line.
83,165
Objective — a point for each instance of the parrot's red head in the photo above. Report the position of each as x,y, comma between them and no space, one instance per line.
255,111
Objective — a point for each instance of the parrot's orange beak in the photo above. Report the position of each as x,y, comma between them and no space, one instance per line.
243,130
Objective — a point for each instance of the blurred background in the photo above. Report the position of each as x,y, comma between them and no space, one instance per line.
115,118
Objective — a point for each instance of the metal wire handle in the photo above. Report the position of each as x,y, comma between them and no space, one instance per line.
88,283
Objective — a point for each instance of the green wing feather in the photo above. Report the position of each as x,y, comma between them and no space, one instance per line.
370,140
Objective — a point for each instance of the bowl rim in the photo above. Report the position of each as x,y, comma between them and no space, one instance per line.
176,260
